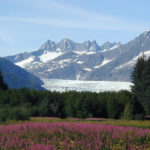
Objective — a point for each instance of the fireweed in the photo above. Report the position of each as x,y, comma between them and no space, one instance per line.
72,136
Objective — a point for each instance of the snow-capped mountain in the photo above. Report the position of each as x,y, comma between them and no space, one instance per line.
109,45
84,61
124,58
66,45
63,60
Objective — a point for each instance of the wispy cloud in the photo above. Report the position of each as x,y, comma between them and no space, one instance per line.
75,17
94,20
81,24
73,10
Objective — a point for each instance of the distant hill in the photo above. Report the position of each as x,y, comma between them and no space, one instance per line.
16,77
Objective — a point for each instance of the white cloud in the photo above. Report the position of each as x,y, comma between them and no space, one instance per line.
89,19
82,24
74,17
76,11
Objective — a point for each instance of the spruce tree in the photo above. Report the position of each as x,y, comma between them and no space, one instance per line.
133,110
137,78
3,86
146,87
141,81
128,112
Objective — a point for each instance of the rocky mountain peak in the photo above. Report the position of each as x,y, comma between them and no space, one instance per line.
108,45
68,45
48,45
94,46
94,42
147,32
87,44
91,46
65,44
142,41
66,40
145,35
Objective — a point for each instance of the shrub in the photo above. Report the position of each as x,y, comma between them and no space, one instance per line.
35,111
19,113
3,114
128,112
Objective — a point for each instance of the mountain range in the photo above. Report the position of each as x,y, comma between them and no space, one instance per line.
84,61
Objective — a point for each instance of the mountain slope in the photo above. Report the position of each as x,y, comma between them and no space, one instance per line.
16,77
121,67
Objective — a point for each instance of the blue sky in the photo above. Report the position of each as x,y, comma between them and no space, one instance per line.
26,24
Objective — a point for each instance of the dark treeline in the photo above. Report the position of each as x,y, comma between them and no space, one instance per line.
23,103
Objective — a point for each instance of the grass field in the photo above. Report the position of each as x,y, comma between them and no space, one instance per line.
43,133
133,123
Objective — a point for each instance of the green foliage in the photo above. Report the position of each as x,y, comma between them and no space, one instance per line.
19,113
3,86
71,103
23,103
113,108
3,114
128,112
141,81
137,78
133,110
35,111
102,105
116,103
44,108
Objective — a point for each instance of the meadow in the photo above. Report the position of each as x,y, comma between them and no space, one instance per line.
43,133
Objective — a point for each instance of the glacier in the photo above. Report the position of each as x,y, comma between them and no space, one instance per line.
78,85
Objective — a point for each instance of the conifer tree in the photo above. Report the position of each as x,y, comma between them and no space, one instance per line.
146,87
141,81
133,110
137,78
128,112
3,86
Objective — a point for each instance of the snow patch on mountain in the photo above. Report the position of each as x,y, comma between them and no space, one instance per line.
87,69
110,48
90,53
134,60
49,70
65,61
47,56
105,61
114,47
80,62
80,52
25,62
146,53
